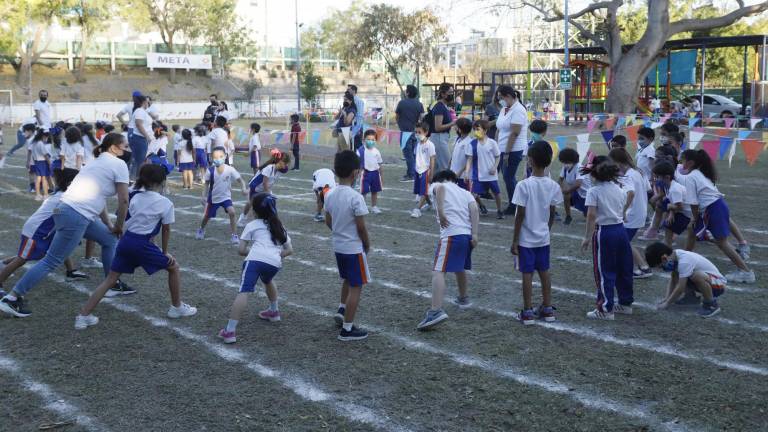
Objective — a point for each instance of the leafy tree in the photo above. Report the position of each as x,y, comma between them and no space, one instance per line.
230,39
91,16
311,83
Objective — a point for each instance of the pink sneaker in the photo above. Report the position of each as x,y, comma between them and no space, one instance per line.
270,315
227,337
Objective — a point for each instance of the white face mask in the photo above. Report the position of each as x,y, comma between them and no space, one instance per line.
421,137
503,103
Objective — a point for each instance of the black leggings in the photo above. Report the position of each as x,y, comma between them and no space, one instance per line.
295,157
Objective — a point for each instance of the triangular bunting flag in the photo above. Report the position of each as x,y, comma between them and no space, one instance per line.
656,125
392,137
561,140
379,133
315,137
725,144
630,119
753,122
751,149
591,124
620,122
554,148
692,122
721,132
404,137
744,134
711,115
609,123
711,147
278,136
302,137
730,155
582,146
345,133
694,139
607,136
632,133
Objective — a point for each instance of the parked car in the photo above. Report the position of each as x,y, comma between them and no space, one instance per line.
721,106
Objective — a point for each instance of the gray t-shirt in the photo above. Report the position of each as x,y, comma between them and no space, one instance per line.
344,203
408,111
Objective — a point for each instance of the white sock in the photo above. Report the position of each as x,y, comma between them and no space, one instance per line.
231,325
343,305
347,326
273,306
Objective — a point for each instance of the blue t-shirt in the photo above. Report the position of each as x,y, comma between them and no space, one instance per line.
440,109
408,113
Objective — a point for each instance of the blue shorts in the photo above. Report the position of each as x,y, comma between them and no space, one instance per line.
717,283
631,232
34,249
41,169
715,218
56,165
532,259
421,184
679,225
211,208
137,250
453,254
371,182
162,161
186,166
465,184
353,268
481,187
254,160
201,159
253,271
578,202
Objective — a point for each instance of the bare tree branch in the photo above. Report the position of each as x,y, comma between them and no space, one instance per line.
686,25
553,16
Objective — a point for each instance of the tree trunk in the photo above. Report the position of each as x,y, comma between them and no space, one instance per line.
172,70
22,74
80,74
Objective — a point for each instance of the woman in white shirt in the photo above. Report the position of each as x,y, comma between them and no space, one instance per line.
141,135
82,213
512,125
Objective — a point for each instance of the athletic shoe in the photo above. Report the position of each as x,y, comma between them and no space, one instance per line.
567,220
709,310
499,214
375,210
339,317
546,313
642,273
425,207
741,276
241,220
270,315
15,308
120,289
319,218
75,275
415,213
406,179
743,251
600,315
352,335
527,317
2,293
200,234
689,299
417,198
462,302
432,318
235,240
184,310
510,210
483,210
558,218
622,310
38,197
83,322
227,337
91,262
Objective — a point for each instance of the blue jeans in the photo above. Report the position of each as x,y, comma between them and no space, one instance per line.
138,145
20,141
410,157
510,170
70,227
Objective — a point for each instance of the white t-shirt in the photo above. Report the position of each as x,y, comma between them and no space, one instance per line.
344,204
373,159
95,183
638,210
459,157
222,183
263,249
201,142
230,148
40,216
128,110
218,137
536,194
87,149
254,143
178,141
487,152
676,195
30,120
70,153
44,109
700,190
143,115
609,199
53,152
645,158
158,144
424,151
455,208
569,177
586,184
270,172
186,156
516,114
147,209
39,150
690,262
322,178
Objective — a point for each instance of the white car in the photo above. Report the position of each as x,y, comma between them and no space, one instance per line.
721,106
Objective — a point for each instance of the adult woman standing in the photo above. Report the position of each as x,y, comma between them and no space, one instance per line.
345,119
82,213
142,135
441,126
513,137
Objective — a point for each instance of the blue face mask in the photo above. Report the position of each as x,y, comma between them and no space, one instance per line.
370,143
535,136
218,162
669,266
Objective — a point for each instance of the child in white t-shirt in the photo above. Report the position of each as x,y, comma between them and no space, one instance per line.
186,158
266,176
425,167
370,165
691,274
676,214
269,244
457,215
178,143
254,147
482,160
217,193
459,157
646,154
535,200
39,162
323,180
570,182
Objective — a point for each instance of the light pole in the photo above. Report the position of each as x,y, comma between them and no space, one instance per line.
567,62
298,60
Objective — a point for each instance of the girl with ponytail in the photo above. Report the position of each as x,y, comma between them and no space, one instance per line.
269,244
710,213
186,159
266,176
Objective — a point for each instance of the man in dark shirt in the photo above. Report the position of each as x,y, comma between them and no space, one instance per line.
407,114
210,112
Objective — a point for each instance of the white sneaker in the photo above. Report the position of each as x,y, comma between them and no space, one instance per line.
417,198
415,213
241,220
235,239
200,234
83,322
319,218
425,207
741,276
600,315
622,310
184,310
375,210
38,197
743,251
91,262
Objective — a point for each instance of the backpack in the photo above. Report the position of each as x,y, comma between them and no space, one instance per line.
429,119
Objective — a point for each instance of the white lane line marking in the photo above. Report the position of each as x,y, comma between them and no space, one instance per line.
52,401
